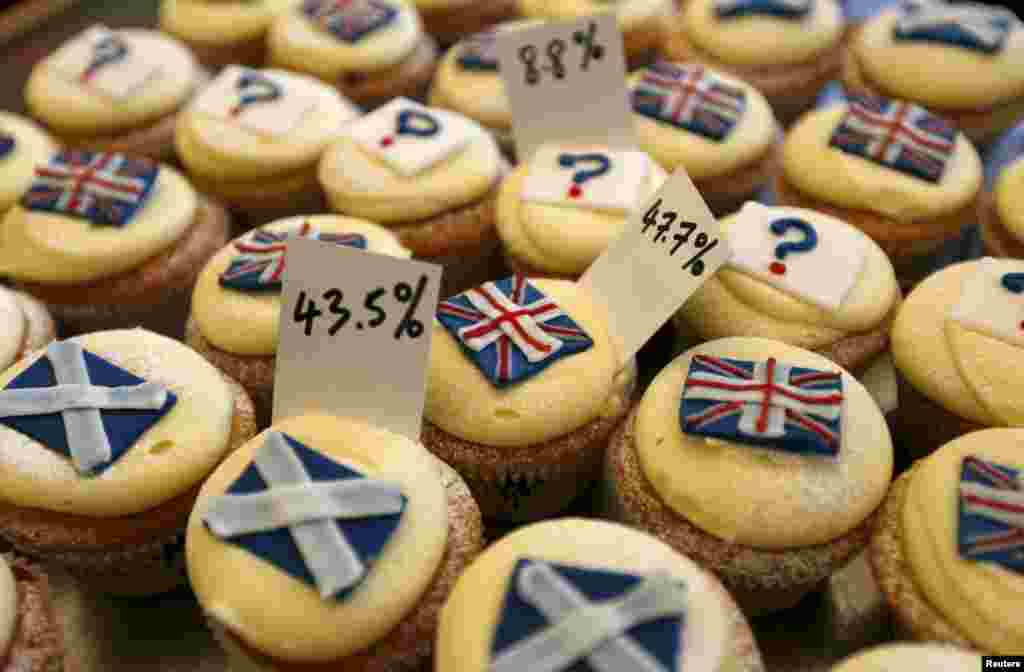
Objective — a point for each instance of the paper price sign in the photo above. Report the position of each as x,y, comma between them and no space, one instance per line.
567,82
354,335
671,245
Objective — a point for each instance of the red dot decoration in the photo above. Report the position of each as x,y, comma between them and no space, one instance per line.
778,268
387,141
1022,325
575,191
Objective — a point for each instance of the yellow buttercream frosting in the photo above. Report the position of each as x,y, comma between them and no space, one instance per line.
758,496
1009,193
12,328
981,599
904,656
557,239
221,22
52,248
285,618
763,39
629,13
560,399
297,43
936,74
748,141
471,614
734,303
8,607
246,323
74,107
32,146
971,374
834,176
170,458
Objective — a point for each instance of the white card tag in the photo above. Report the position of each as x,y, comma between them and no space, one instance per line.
586,177
992,301
354,335
566,82
671,245
817,261
105,62
257,100
410,137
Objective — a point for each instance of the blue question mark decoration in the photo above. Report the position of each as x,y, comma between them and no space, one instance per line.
254,88
110,49
602,165
781,227
415,123
1013,282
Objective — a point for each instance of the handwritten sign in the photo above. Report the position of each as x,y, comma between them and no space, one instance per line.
354,335
567,82
671,245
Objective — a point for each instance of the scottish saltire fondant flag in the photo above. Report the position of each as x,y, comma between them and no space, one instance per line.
765,403
349,20
969,26
991,520
783,9
689,97
510,329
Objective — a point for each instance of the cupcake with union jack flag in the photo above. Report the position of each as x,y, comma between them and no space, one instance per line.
891,168
102,238
948,550
761,461
524,388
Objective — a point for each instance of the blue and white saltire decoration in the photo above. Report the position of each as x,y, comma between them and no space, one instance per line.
106,189
311,517
555,616
783,9
991,521
261,264
765,403
349,20
902,136
691,98
510,329
82,406
969,26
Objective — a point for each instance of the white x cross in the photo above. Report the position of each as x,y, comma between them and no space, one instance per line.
79,402
975,19
584,629
308,509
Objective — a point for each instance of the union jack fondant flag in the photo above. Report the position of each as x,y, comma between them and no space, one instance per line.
974,27
479,52
765,403
349,20
991,522
510,329
106,189
898,135
260,264
691,98
783,9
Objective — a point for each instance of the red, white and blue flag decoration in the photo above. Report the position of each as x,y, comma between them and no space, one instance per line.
260,264
349,20
510,329
691,98
106,189
479,52
895,134
991,521
764,403
969,26
781,9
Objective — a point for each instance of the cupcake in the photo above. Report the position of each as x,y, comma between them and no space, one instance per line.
810,430
115,91
575,593
524,388
25,326
1001,213
720,129
958,345
558,211
103,238
221,32
253,139
452,20
104,440
890,168
429,175
947,548
787,50
901,656
236,304
23,146
30,638
370,50
644,23
353,571
801,277
962,62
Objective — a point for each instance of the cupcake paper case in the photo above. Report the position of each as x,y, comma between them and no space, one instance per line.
30,638
23,146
